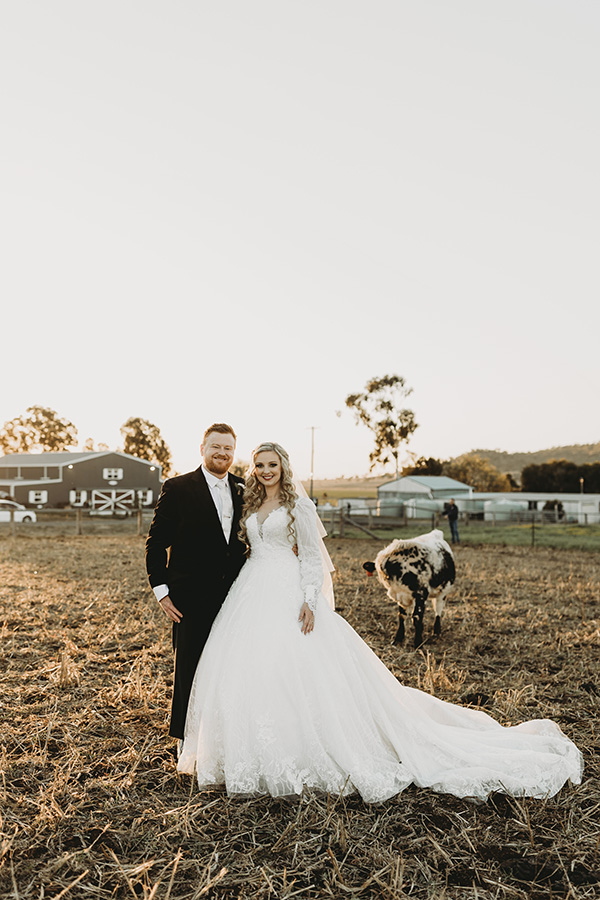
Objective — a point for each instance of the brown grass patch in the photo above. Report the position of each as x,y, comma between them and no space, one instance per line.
92,806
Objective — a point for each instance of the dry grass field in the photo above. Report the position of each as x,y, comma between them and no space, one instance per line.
92,806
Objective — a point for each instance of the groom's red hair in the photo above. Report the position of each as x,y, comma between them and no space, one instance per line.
220,428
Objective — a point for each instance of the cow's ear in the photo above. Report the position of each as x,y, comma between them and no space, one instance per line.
369,567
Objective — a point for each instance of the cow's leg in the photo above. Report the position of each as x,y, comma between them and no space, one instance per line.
399,638
438,602
419,608
405,607
438,607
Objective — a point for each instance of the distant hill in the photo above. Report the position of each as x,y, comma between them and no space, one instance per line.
333,489
514,463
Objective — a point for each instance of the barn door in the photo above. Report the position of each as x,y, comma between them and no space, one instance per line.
113,501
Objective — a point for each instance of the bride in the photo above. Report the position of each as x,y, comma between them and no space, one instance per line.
287,695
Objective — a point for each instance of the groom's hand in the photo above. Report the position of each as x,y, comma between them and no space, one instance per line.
171,611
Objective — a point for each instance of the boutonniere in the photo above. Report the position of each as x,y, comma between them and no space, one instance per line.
240,487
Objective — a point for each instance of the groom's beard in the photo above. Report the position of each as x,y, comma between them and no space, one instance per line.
218,466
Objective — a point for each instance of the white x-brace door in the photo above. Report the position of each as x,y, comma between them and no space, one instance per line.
113,501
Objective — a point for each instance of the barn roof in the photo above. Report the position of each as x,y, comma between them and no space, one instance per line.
47,458
62,457
432,482
438,482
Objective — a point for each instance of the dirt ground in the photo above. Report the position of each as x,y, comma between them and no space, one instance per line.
92,806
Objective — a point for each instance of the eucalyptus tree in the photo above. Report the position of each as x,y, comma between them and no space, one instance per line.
380,406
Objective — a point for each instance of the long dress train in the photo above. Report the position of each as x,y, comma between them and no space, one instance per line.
272,709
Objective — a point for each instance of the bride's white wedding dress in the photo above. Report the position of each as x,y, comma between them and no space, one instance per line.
272,709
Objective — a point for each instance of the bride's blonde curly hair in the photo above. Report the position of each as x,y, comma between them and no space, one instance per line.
255,494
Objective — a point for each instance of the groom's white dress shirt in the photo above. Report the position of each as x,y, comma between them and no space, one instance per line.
221,495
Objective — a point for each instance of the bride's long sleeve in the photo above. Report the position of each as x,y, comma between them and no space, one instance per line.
309,551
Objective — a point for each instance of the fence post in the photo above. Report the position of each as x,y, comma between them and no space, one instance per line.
13,524
533,531
78,529
139,521
342,524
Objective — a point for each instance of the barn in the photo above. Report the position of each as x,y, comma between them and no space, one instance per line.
421,490
105,482
421,487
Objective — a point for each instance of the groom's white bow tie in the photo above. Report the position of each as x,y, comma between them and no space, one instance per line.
226,506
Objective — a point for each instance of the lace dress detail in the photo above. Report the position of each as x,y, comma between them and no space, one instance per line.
272,710
271,540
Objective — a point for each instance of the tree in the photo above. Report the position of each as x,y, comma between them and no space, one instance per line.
559,475
39,429
380,408
562,476
425,466
88,445
472,469
239,468
144,440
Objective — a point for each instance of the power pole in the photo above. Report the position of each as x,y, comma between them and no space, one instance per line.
312,459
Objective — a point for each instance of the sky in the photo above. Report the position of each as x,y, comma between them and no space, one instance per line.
243,211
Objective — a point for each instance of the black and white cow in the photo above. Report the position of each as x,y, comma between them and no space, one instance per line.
413,570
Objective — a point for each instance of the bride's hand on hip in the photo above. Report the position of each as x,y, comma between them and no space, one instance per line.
307,617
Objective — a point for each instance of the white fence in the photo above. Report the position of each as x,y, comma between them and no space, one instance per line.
394,513
78,521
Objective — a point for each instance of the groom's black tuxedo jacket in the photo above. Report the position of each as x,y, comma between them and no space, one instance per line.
186,550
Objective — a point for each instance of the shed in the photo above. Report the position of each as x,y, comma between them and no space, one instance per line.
503,509
417,508
106,481
577,507
422,487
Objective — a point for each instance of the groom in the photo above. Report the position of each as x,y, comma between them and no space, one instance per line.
193,555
